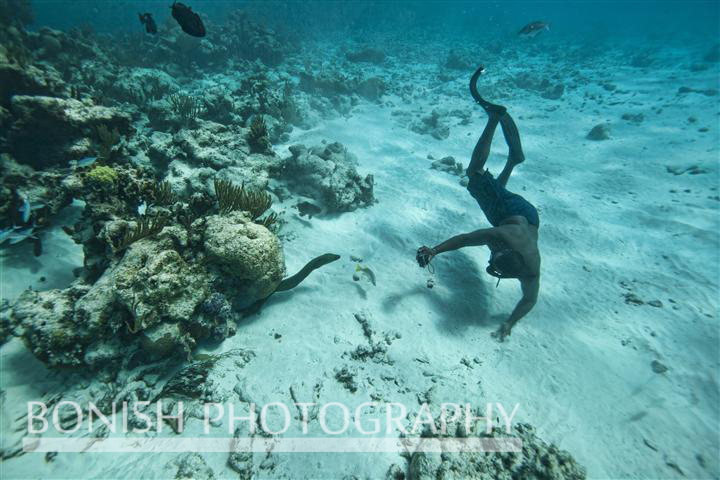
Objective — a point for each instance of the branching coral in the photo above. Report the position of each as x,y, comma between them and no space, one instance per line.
288,107
185,106
258,137
107,140
145,228
231,197
270,222
164,194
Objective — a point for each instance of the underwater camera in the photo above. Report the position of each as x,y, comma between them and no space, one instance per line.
423,256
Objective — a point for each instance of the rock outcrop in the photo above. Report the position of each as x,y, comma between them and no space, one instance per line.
47,131
328,175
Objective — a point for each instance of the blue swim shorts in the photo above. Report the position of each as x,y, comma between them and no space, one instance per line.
497,202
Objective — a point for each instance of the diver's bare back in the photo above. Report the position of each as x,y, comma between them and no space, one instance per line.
516,233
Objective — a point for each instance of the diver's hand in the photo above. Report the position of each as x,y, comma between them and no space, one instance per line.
424,255
502,332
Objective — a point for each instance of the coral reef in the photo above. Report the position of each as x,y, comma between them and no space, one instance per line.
155,280
450,165
432,125
48,189
257,137
48,131
102,176
160,297
192,466
599,132
190,158
145,228
328,175
185,107
536,461
548,88
372,88
252,41
247,256
19,77
231,197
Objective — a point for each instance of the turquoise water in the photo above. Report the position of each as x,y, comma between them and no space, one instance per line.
283,211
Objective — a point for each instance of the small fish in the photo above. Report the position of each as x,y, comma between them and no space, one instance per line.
142,208
147,20
25,210
188,20
5,233
365,271
20,235
533,28
83,162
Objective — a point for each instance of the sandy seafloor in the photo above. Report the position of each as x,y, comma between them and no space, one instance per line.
613,220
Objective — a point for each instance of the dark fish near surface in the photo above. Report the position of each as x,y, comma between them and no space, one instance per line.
147,20
533,28
188,20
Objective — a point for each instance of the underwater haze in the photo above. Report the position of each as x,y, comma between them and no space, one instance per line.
578,21
344,239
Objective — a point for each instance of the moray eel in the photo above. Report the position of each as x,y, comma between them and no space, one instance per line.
317,262
294,280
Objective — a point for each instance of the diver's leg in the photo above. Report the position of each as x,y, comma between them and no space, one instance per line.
481,152
507,171
512,137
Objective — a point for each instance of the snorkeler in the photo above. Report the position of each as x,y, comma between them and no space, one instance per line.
513,239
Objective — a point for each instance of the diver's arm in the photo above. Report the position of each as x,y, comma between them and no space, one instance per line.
530,289
476,238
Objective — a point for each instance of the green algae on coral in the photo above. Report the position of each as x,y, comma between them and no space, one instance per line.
102,175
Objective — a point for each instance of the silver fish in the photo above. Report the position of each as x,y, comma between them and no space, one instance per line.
25,210
83,162
5,233
20,235
142,208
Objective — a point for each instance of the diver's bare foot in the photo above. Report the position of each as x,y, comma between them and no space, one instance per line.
515,161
